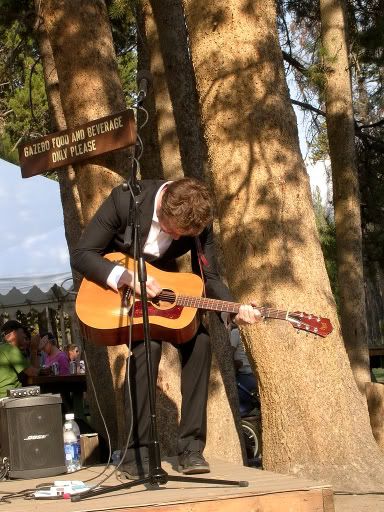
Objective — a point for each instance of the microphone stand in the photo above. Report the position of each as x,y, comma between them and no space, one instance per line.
157,475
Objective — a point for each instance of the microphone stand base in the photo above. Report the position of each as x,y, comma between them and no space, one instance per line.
156,478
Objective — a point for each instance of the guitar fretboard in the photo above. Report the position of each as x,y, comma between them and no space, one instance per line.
221,305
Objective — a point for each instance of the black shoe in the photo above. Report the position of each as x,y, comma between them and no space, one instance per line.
135,471
192,463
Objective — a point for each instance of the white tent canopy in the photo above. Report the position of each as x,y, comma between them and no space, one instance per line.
34,255
54,298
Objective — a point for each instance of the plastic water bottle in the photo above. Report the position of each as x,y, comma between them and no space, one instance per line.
71,435
116,457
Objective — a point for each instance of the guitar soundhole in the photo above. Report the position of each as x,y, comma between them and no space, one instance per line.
165,300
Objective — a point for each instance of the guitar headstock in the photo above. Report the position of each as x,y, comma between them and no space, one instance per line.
310,323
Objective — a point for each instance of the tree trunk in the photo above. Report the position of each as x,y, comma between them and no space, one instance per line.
180,82
375,398
150,162
346,197
82,48
182,150
73,219
167,135
315,421
90,86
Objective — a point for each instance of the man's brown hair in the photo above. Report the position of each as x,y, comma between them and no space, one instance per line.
187,203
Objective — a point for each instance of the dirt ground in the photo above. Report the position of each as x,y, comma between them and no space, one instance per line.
356,503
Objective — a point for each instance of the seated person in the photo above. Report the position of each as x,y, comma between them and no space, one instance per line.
48,344
73,353
246,380
14,367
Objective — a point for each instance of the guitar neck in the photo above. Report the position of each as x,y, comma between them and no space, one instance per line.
225,306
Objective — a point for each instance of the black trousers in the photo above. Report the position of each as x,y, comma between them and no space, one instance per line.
195,358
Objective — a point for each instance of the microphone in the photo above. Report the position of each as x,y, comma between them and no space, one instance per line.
144,80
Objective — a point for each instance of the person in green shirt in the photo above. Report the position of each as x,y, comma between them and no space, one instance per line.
14,367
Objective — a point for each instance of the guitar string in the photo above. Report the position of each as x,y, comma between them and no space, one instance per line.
170,296
230,306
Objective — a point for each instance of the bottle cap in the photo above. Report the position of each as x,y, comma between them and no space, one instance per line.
70,416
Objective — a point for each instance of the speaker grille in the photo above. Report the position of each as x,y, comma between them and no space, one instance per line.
33,436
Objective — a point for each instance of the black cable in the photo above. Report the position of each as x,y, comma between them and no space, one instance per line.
19,494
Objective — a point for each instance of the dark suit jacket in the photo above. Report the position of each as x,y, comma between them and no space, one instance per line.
105,233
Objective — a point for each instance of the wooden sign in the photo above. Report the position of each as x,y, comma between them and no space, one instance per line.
59,149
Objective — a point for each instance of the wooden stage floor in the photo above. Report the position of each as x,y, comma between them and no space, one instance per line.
267,492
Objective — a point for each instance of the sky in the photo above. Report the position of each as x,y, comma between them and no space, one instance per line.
31,225
317,173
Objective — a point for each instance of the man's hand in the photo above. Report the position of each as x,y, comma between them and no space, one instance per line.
248,314
153,287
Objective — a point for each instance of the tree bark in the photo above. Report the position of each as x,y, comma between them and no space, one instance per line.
313,415
150,162
90,86
375,398
182,150
166,129
80,38
172,42
346,197
73,219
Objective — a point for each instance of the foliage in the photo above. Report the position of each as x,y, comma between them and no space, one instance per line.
23,104
22,94
318,146
327,233
366,42
128,66
123,27
7,150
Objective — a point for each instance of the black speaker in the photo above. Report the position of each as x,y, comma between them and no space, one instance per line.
31,436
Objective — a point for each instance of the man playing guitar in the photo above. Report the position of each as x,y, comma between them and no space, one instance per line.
175,217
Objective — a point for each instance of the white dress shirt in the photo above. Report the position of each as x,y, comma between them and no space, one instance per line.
156,244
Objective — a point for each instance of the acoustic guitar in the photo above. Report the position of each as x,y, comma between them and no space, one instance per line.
106,315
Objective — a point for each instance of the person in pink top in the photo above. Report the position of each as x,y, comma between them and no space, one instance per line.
54,354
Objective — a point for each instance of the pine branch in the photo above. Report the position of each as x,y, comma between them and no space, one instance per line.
294,62
308,106
373,142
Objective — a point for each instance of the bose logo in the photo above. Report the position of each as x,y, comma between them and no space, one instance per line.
36,436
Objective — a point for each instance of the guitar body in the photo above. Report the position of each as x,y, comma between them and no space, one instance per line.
105,314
